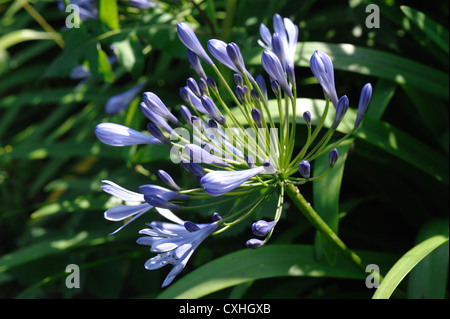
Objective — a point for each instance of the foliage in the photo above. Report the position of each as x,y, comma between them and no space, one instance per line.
387,199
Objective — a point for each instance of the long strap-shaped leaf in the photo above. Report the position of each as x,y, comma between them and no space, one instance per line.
266,262
404,265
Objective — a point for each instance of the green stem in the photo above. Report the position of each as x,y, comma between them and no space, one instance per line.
318,223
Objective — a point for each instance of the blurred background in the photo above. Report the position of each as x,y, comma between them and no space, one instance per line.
55,81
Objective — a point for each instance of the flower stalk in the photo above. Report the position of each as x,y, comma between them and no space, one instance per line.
313,217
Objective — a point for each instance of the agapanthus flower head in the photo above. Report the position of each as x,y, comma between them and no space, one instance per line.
323,70
235,145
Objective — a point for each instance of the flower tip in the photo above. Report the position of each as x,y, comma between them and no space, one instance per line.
190,226
216,217
333,156
307,118
254,243
305,169
364,100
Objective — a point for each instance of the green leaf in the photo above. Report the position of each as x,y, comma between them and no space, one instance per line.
326,198
351,58
433,30
266,262
429,278
44,248
104,67
383,92
404,265
108,13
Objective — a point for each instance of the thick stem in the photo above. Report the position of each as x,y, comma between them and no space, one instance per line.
314,218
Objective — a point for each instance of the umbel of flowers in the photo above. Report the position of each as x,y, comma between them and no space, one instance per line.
232,151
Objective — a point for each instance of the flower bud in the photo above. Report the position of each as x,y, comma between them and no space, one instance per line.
190,226
257,117
305,169
364,100
307,118
254,243
333,156
261,228
156,132
168,180
341,109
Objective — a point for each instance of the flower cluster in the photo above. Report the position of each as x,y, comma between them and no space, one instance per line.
231,152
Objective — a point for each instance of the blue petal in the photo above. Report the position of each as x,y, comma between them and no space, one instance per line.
120,135
217,183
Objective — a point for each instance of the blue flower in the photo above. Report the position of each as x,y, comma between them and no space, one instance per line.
287,32
333,156
305,169
254,243
217,183
307,118
273,67
195,63
190,40
120,135
121,212
155,104
341,109
142,4
212,110
262,228
199,155
220,50
155,118
192,99
174,242
168,180
257,117
322,68
262,86
121,101
364,100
